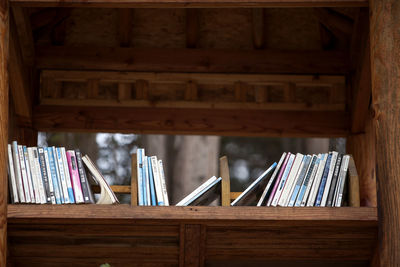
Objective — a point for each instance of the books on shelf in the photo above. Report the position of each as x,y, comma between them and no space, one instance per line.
53,175
204,194
151,185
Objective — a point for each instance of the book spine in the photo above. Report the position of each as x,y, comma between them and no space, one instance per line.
152,185
299,181
18,173
157,181
323,181
317,181
42,190
163,183
271,181
345,164
147,179
32,167
271,197
144,181
288,188
333,186
310,183
87,192
62,175
49,176
54,177
204,185
43,171
24,174
29,175
140,177
329,179
283,181
73,170
58,175
67,176
11,170
304,185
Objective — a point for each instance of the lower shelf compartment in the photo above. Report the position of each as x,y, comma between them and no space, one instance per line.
89,235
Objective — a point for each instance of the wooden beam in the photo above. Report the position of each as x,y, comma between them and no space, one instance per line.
385,58
192,60
258,28
191,121
192,244
339,25
125,26
4,89
327,38
25,34
192,27
188,3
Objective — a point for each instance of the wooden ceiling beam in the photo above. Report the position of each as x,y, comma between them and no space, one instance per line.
192,60
340,25
189,3
25,35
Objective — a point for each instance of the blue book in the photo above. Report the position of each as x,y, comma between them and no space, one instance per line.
305,183
323,181
140,176
151,180
306,163
145,178
54,177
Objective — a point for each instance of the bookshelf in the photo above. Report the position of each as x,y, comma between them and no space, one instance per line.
124,235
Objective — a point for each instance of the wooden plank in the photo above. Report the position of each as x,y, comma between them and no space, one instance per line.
192,28
189,3
385,57
225,183
191,92
193,243
234,195
4,100
124,91
118,189
93,89
192,60
134,180
354,185
341,26
258,28
25,35
125,26
192,121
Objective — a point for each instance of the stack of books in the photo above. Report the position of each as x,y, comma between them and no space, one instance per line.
152,189
53,175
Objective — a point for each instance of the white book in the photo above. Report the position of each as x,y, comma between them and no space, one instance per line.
146,175
32,165
58,176
29,175
310,183
291,180
50,179
163,183
18,173
283,181
329,179
67,175
61,170
11,172
157,181
24,174
196,191
271,181
317,181
343,175
42,190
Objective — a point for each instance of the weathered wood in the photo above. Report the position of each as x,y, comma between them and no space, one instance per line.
354,184
192,121
190,3
25,35
125,26
258,28
192,60
385,57
193,245
134,180
225,183
4,89
192,28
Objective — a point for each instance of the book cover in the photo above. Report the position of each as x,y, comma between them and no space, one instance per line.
185,200
11,175
299,181
18,173
335,177
61,171
207,195
311,181
28,198
241,199
42,190
157,181
50,179
342,180
32,168
73,171
29,175
329,179
323,181
54,177
306,180
45,175
144,181
268,188
283,181
278,180
86,190
151,181
284,199
317,181
140,177
163,182
147,180
67,176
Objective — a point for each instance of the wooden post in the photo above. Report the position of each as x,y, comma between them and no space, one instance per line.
385,69
134,188
225,183
4,33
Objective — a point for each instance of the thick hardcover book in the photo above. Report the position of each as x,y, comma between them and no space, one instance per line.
311,181
74,173
32,167
317,181
163,182
310,172
87,192
42,190
151,180
278,180
342,180
140,177
61,170
29,175
54,177
185,200
11,175
268,188
323,181
207,195
288,188
283,181
157,181
329,179
28,198
67,176
45,176
243,198
335,177
18,174
300,178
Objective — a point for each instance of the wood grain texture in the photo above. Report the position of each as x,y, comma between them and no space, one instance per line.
125,26
25,35
134,180
191,121
385,57
354,184
194,237
192,28
225,183
4,91
192,60
258,28
190,3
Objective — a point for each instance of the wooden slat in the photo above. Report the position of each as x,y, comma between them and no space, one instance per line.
192,28
192,60
193,245
354,185
234,195
192,121
25,35
125,26
124,91
134,180
118,189
258,28
190,3
225,183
